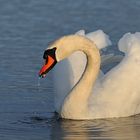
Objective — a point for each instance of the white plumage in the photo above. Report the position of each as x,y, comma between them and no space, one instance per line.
115,94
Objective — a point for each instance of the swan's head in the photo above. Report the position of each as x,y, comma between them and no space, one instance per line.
50,61
60,49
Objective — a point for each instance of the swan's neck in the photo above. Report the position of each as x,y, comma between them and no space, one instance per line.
76,103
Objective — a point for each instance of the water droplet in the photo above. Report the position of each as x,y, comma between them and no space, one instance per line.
38,83
39,90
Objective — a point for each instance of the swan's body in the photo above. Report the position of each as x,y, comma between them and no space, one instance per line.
115,94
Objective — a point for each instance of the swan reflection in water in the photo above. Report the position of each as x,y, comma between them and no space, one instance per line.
104,129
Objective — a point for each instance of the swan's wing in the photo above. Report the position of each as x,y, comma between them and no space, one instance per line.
129,44
100,38
120,86
68,72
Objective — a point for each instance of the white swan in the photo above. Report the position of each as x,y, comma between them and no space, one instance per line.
115,94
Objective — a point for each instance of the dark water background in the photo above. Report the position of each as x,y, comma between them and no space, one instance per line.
26,27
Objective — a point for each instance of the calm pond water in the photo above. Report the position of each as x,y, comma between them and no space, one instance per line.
26,27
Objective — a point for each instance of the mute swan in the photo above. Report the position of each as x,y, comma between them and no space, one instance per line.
115,94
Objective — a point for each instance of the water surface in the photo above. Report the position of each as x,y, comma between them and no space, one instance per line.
26,27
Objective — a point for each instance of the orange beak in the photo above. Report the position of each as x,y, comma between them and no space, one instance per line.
50,62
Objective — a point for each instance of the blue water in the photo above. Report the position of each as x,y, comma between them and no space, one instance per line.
26,27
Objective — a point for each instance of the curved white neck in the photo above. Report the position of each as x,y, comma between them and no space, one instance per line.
77,100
